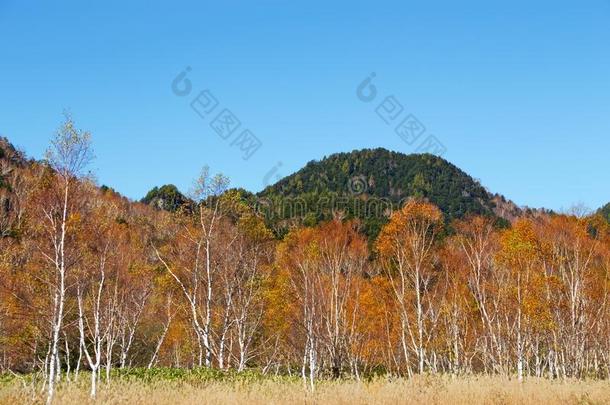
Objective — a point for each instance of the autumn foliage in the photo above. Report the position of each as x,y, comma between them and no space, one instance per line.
92,281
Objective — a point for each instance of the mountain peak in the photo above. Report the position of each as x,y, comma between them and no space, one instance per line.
394,177
166,197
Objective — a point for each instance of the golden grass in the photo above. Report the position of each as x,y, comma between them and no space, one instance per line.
421,390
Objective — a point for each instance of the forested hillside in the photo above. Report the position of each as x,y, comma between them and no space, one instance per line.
392,175
605,212
90,280
368,184
166,197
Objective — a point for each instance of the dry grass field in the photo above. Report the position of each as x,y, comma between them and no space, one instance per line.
429,390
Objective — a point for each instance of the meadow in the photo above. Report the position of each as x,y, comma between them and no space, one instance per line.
175,386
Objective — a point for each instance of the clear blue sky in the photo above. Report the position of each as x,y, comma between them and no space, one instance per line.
518,92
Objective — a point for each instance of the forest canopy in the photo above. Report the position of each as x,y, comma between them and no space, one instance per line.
90,280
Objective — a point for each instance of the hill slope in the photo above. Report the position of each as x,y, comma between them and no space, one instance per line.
605,212
13,164
362,176
166,197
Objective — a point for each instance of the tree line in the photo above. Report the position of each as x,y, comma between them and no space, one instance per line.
92,281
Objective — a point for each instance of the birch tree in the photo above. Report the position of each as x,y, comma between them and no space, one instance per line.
68,156
478,243
192,262
323,266
406,246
